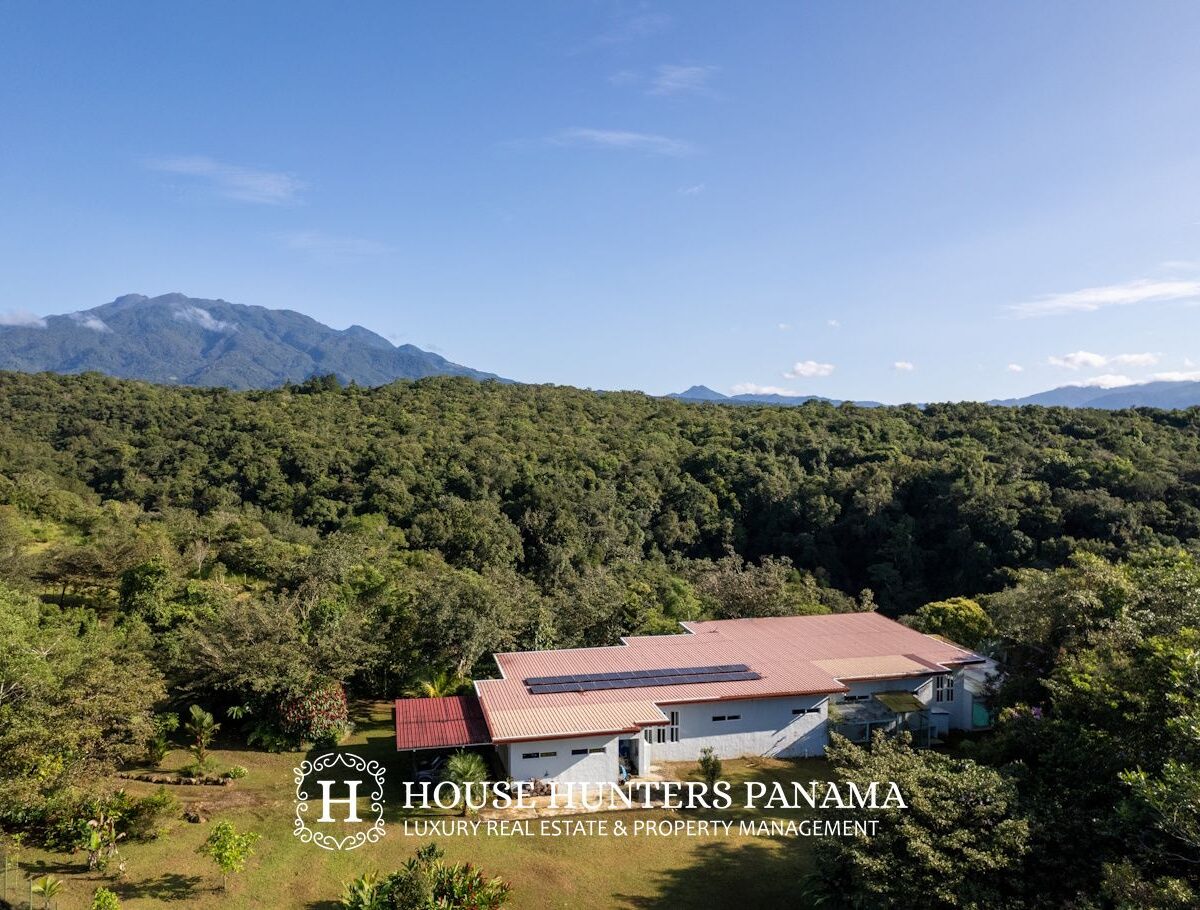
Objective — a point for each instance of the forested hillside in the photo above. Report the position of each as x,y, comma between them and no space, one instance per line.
558,484
255,556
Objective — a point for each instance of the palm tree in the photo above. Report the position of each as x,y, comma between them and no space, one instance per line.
439,685
202,728
465,769
48,887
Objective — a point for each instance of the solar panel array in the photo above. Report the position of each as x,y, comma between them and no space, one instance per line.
637,679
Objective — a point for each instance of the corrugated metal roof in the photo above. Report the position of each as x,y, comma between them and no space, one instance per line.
560,721
440,723
795,655
885,666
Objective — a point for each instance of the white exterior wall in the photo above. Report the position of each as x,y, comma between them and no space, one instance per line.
593,767
956,715
766,726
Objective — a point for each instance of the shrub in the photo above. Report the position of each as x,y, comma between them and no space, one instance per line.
228,849
427,881
104,899
319,716
201,728
710,766
237,772
141,818
269,738
60,823
159,743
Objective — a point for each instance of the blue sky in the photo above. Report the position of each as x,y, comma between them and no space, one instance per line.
898,201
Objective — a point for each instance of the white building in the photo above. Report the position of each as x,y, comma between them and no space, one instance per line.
743,686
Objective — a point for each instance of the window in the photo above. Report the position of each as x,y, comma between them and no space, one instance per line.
579,751
719,717
943,688
648,735
538,754
846,698
660,735
816,710
587,751
673,730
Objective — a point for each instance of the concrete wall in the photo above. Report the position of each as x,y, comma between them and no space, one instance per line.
953,715
593,766
765,726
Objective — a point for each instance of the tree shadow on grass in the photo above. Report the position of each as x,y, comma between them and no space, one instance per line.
726,874
63,867
323,905
170,886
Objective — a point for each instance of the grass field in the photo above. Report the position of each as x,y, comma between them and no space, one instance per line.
579,872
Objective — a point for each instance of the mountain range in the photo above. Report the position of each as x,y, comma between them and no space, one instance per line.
180,340
174,339
1165,395
704,393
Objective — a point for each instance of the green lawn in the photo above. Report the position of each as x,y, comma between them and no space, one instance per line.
576,872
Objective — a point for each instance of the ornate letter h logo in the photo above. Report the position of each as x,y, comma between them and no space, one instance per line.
351,802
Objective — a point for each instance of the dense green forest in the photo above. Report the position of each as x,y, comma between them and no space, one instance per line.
556,483
259,553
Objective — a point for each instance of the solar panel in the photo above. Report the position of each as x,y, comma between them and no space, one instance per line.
635,674
631,679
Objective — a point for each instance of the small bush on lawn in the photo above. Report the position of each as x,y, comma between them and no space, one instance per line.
320,716
710,766
237,772
141,819
104,899
426,882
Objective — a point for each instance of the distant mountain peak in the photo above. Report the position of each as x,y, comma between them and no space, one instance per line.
699,393
176,339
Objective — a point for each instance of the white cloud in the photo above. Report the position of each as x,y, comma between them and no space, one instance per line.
1106,381
807,369
750,388
1145,359
1078,359
833,323
622,140
679,80
1144,290
784,327
22,319
1015,368
204,319
904,366
1177,376
245,184
95,323
694,190
333,247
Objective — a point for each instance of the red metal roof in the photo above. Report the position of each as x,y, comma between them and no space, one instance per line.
440,723
794,655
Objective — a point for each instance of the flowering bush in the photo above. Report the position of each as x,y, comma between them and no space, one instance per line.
320,716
